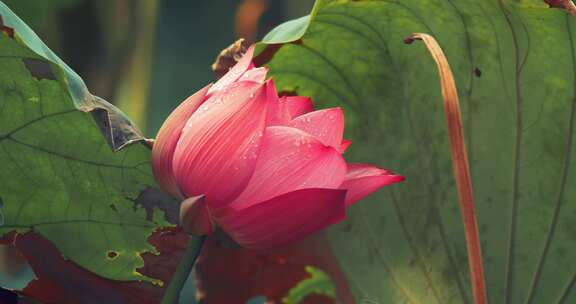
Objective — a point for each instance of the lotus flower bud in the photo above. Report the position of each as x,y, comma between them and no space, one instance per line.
268,170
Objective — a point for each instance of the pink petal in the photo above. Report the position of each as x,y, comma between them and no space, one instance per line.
297,105
271,94
276,115
363,179
285,218
167,138
217,152
344,145
290,160
289,108
326,125
254,75
195,217
235,72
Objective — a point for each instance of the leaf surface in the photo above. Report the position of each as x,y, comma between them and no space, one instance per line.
75,173
514,63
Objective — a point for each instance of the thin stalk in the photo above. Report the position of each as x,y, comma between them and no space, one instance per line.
460,165
172,294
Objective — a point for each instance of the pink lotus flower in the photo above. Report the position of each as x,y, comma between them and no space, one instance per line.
268,170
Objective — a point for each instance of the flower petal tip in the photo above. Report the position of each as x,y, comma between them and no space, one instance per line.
364,179
345,145
195,217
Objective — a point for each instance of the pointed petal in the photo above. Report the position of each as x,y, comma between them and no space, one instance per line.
195,217
297,105
276,115
235,72
167,138
285,218
344,145
217,151
327,125
290,160
255,75
289,107
363,179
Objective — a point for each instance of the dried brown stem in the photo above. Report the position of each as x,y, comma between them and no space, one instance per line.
460,165
568,5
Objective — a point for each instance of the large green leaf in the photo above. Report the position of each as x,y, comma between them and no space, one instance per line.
514,63
63,176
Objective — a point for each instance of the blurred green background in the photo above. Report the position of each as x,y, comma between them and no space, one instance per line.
146,56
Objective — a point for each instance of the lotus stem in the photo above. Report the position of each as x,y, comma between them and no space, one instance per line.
460,165
172,294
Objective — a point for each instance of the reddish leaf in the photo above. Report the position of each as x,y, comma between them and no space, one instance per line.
317,299
171,244
554,3
245,274
62,281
